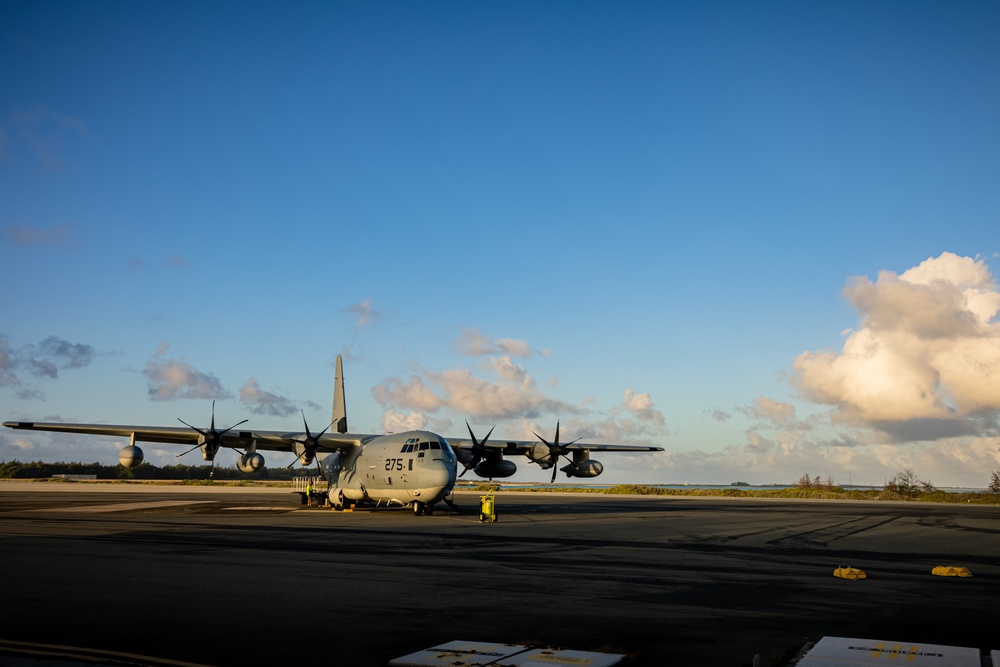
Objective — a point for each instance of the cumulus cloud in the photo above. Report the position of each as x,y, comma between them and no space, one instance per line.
43,360
394,421
633,421
925,361
473,344
262,402
770,410
513,394
641,406
170,379
415,394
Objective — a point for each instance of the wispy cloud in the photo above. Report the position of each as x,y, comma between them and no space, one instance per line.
27,236
44,132
363,314
177,262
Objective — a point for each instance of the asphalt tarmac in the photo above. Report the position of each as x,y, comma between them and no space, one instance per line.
246,576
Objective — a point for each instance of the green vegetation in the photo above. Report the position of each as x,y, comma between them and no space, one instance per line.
40,470
904,485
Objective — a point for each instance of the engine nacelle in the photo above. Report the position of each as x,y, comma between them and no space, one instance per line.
540,454
491,469
585,468
249,463
130,456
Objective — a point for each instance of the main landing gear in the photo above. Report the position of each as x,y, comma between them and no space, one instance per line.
420,508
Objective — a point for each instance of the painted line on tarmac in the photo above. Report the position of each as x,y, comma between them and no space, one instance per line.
86,656
123,507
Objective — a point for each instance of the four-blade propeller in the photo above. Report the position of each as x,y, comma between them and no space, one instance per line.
478,449
211,439
555,451
309,444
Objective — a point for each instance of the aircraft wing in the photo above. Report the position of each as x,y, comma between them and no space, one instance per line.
282,441
524,446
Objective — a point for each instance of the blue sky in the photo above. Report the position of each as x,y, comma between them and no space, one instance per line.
722,228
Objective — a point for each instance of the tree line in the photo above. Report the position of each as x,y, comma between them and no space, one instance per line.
39,469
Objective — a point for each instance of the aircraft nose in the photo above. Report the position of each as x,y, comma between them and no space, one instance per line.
438,475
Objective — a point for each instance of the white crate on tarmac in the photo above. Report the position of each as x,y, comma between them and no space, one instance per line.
995,655
846,652
459,653
549,657
484,654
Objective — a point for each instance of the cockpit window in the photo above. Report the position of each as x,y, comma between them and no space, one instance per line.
435,445
424,446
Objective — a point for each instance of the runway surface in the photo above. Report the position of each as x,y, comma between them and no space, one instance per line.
245,576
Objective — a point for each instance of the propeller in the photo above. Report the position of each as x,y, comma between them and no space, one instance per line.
478,448
309,444
211,439
555,450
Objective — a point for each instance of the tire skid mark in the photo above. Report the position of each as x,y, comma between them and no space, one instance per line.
823,537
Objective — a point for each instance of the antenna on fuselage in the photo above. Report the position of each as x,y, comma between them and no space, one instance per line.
339,406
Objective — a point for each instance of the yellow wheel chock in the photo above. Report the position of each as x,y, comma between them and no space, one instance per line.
849,573
951,571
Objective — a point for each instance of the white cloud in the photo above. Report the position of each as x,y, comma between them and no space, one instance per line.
514,394
770,410
414,394
263,402
473,344
927,349
641,405
171,379
394,421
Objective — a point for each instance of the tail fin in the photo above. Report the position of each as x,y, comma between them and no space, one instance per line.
339,406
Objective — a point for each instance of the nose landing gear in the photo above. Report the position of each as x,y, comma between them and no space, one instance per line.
420,508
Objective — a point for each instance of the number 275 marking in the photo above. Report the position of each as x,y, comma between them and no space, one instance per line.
394,464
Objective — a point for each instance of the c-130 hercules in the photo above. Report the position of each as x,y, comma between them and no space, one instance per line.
414,468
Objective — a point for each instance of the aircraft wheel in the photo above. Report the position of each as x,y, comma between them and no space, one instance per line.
429,510
418,508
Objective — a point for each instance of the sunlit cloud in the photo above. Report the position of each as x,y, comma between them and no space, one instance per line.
262,402
394,421
512,394
170,379
925,362
471,343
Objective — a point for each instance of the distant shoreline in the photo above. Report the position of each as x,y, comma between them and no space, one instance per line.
868,493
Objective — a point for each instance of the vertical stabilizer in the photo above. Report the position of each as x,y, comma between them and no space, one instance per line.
339,406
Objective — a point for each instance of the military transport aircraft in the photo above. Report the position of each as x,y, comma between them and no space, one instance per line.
415,468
